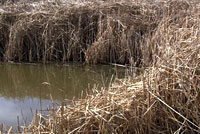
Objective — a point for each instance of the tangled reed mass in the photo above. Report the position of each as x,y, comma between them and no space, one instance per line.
91,32
161,37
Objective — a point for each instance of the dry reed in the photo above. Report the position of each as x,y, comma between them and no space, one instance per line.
164,36
91,32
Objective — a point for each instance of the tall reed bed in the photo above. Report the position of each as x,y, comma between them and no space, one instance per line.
93,32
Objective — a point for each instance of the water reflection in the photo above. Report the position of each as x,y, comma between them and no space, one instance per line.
11,108
27,86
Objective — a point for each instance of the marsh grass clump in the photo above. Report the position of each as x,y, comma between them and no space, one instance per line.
6,20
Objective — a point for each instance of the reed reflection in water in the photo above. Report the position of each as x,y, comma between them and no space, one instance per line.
26,87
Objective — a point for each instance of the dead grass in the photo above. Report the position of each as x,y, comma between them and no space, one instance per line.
91,32
163,99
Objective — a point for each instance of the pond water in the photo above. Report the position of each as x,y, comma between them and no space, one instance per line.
27,87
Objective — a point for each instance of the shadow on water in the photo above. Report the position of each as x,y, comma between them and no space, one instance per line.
26,87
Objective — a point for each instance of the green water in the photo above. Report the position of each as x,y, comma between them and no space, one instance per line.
26,87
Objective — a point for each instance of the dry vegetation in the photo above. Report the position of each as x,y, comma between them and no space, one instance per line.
162,37
92,32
